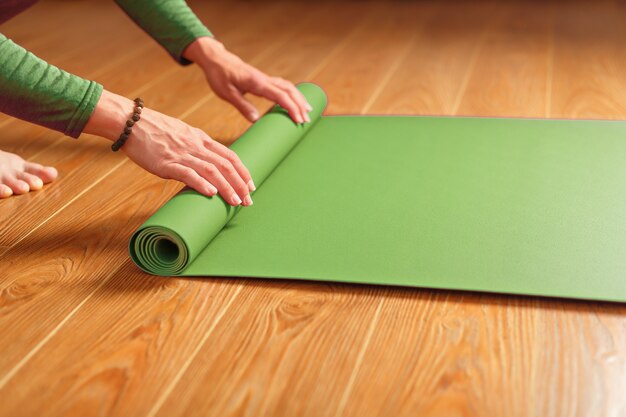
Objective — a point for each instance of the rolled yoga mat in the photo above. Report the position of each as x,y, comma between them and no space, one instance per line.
519,206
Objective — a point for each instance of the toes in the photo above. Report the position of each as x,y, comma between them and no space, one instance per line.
33,181
5,191
17,186
47,174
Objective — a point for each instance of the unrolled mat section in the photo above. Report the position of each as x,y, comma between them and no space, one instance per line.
499,205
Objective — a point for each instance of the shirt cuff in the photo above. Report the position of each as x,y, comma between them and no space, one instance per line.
84,110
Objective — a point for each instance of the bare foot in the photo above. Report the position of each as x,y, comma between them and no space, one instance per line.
19,177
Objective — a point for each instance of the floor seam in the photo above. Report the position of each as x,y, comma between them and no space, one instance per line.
183,369
13,371
359,361
60,209
550,72
387,77
470,69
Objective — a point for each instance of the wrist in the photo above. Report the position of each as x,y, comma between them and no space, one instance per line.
110,115
204,51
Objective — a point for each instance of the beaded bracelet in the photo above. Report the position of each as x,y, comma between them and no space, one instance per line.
129,125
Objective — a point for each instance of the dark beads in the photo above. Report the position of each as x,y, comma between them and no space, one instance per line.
129,125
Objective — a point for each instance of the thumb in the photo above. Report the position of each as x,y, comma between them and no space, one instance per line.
243,105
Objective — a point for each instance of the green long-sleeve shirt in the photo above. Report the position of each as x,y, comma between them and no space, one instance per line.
38,92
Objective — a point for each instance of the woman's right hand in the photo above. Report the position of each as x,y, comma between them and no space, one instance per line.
172,149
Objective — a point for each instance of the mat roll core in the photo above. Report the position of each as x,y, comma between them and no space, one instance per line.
168,242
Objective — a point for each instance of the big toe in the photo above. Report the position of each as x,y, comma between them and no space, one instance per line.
47,174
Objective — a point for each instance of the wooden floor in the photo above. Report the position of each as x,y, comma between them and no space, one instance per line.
84,333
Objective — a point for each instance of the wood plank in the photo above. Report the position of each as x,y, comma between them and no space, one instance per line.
510,75
429,80
393,34
589,61
152,315
143,336
460,354
284,342
27,27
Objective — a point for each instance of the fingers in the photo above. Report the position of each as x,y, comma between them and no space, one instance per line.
222,174
271,91
172,149
192,179
243,105
232,157
296,96
304,114
276,89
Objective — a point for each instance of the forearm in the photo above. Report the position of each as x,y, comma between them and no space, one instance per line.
109,116
35,91
170,22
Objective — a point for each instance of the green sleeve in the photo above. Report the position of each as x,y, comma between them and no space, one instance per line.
35,91
170,22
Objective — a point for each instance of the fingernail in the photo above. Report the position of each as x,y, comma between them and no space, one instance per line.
308,107
254,116
236,200
247,201
307,118
251,186
212,190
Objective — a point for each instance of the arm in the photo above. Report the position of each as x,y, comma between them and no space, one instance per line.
180,32
170,22
35,91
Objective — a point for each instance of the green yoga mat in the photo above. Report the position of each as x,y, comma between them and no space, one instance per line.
500,205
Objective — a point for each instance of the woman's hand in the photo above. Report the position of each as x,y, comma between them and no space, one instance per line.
172,149
231,78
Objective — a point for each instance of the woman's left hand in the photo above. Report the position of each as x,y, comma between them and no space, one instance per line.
231,78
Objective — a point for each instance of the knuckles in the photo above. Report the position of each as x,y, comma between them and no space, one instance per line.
231,155
211,169
224,165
